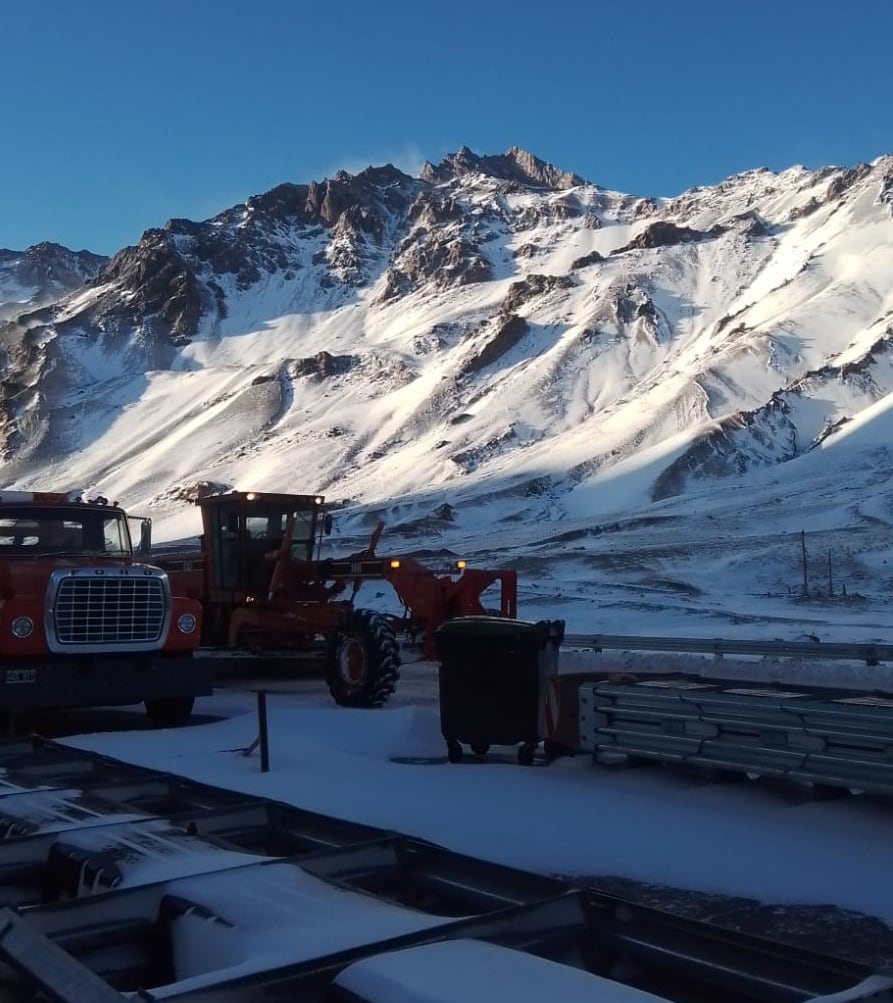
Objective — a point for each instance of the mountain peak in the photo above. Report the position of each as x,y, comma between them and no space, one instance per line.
514,165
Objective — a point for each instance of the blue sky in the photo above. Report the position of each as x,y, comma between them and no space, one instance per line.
117,115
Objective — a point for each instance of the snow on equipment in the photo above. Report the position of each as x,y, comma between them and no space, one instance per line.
265,590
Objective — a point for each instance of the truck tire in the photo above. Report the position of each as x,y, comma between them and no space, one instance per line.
170,713
362,660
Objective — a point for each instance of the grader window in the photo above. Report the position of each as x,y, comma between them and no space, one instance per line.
302,534
227,547
265,527
270,523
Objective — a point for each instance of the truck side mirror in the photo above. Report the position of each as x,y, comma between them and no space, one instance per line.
327,524
145,545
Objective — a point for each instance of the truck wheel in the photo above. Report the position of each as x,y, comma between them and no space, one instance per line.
169,713
362,660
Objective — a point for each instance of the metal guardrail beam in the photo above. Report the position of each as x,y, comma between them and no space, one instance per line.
841,742
869,652
47,966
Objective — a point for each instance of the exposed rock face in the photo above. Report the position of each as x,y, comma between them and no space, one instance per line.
741,442
510,329
886,193
807,209
361,197
593,258
162,285
445,261
43,273
193,491
515,165
664,234
751,224
534,285
846,179
322,366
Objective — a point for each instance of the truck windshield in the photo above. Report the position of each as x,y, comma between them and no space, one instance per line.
31,531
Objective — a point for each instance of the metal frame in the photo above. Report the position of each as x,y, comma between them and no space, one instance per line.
53,945
871,653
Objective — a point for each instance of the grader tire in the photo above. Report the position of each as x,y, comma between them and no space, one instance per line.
362,660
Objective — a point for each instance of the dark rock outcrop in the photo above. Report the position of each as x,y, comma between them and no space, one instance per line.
516,165
533,285
161,286
48,271
592,258
741,442
509,332
807,209
322,366
443,260
845,180
664,234
885,195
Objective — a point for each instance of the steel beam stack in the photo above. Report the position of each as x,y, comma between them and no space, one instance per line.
840,740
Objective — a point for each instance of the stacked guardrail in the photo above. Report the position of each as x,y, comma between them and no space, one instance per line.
841,740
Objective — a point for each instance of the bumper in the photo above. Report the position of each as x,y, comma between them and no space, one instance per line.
109,681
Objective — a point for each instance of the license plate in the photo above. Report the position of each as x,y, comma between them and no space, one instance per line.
21,676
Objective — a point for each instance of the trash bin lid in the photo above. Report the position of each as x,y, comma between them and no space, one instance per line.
498,626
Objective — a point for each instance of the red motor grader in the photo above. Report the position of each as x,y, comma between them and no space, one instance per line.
265,589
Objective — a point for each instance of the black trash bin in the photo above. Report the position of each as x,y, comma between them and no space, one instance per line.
492,671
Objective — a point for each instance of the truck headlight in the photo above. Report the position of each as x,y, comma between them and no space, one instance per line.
22,626
186,623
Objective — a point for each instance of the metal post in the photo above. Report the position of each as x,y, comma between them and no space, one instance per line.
805,578
262,731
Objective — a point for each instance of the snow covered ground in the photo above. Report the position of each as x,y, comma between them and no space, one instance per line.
388,768
549,463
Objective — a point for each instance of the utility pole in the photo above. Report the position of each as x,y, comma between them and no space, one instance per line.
803,548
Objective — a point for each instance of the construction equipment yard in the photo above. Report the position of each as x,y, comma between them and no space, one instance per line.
679,880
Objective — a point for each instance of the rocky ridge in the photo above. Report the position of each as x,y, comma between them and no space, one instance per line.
556,316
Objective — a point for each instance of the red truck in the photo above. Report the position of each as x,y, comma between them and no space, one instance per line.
84,620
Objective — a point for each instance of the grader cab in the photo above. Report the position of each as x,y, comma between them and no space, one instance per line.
265,588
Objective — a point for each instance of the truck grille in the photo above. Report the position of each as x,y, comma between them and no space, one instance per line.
115,609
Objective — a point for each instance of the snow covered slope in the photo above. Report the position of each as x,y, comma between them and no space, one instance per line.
499,356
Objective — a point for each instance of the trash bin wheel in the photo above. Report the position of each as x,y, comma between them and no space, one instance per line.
454,750
525,754
480,748
555,750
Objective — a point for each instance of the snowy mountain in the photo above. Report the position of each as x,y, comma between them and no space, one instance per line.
41,275
491,346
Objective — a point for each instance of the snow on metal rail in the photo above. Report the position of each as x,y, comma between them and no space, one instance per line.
131,882
869,652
